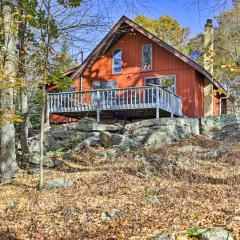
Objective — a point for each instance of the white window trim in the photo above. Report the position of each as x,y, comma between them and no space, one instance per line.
113,60
144,70
159,76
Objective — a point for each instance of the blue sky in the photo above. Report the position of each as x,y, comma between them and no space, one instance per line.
185,12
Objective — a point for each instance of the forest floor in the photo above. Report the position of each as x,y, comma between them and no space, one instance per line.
134,196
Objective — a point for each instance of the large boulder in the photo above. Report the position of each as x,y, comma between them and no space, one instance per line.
33,159
191,123
221,127
116,144
34,144
66,139
114,151
157,132
88,143
90,125
113,139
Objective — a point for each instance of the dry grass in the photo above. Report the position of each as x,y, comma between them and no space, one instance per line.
192,191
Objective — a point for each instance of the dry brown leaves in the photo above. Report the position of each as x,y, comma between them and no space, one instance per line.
190,193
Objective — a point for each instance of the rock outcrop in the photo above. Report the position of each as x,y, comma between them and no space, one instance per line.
115,139
221,127
154,133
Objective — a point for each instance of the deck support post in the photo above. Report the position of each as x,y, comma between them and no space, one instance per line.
157,102
98,115
98,106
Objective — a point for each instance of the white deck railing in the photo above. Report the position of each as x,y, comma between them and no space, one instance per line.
115,99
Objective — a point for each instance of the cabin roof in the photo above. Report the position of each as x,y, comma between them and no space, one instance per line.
121,28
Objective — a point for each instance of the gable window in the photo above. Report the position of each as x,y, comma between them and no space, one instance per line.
117,61
167,82
147,57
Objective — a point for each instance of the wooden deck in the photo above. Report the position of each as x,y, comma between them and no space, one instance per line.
134,98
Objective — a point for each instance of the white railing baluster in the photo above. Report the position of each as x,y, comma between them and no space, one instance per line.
135,97
115,98
111,98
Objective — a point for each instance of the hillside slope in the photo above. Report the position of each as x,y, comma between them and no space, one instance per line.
190,184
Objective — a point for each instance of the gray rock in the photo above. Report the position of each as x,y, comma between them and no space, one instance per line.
33,143
115,139
189,148
158,132
48,161
221,127
191,123
157,139
63,139
58,183
212,153
112,152
110,139
161,236
107,215
90,125
212,234
13,204
226,147
116,144
88,143
152,199
33,170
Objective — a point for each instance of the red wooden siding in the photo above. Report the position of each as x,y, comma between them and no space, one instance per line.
224,106
189,83
215,105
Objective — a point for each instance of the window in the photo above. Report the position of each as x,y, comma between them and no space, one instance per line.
147,57
117,61
167,82
111,84
71,89
108,96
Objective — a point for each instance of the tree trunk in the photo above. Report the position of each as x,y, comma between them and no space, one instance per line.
22,73
42,135
46,56
8,164
25,123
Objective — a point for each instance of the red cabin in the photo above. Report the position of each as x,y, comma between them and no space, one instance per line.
133,74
